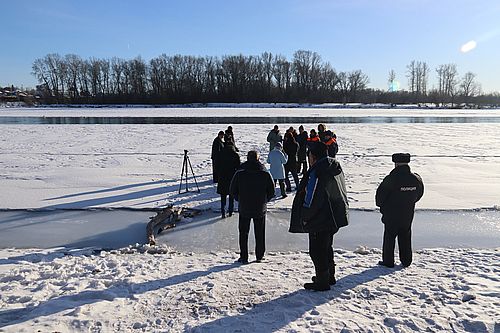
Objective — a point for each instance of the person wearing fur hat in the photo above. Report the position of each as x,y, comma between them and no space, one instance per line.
396,196
277,159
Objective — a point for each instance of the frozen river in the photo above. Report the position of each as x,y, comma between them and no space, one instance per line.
67,162
207,232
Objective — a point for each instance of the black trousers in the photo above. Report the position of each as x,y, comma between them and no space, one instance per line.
259,229
404,244
282,186
215,173
230,209
293,171
321,250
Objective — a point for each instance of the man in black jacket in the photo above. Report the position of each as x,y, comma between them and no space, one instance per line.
252,186
301,154
396,196
228,163
217,147
320,208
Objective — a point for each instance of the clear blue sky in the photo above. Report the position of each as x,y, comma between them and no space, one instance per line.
372,35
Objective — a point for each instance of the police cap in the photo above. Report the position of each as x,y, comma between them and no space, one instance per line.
401,158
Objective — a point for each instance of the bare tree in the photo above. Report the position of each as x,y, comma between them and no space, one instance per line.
282,73
74,64
447,79
469,87
357,82
417,73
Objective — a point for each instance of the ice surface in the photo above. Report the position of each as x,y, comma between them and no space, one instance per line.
208,232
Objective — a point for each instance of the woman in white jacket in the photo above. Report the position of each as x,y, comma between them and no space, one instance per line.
277,159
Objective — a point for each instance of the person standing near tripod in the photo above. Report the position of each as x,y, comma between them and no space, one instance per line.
217,147
228,163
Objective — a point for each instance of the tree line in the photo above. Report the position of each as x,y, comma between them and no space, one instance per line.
306,78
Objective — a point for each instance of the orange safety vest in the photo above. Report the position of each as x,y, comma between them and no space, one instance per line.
329,142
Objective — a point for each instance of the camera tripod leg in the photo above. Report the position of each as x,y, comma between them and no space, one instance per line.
182,174
194,177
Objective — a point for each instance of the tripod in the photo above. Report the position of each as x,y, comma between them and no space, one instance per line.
184,173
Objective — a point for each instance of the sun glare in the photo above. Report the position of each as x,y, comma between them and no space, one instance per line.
469,46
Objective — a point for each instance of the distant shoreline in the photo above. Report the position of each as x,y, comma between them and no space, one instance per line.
421,106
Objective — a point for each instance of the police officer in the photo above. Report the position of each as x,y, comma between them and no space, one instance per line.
396,196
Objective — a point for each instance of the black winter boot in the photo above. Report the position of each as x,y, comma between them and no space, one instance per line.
320,282
331,275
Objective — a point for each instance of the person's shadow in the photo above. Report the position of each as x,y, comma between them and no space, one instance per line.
66,302
290,307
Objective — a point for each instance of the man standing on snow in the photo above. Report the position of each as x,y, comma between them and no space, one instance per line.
396,196
274,137
229,162
252,186
301,154
217,147
320,208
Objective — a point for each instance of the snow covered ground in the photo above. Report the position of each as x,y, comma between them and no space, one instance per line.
54,167
453,290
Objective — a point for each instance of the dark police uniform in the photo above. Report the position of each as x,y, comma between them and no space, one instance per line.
396,196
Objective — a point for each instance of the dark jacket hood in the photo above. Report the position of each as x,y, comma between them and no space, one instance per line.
327,165
253,166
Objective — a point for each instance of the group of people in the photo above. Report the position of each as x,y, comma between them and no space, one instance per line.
320,207
287,154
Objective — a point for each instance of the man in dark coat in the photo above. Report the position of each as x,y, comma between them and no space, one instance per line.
217,147
229,162
229,136
274,137
291,147
301,154
396,196
252,186
320,208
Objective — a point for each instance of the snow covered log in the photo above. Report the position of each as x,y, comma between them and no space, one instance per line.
166,219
